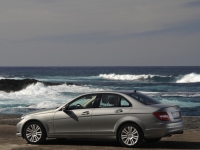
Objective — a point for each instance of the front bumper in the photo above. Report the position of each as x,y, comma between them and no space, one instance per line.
19,127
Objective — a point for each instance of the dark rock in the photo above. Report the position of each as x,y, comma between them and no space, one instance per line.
11,85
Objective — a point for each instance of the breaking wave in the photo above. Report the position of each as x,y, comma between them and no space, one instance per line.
188,78
2,78
128,76
37,96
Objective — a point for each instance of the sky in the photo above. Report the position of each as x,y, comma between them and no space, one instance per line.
99,32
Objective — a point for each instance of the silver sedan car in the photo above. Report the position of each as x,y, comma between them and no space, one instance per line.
130,117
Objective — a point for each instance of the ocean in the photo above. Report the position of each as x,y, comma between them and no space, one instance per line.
171,85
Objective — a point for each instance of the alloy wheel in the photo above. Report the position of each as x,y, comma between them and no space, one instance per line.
130,135
34,133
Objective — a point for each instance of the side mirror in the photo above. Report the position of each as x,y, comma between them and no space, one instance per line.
64,108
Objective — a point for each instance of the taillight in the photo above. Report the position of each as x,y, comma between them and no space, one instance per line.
162,116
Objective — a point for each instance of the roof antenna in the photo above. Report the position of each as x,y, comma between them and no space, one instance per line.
135,91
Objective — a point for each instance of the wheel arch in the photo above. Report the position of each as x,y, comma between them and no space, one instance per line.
127,122
33,120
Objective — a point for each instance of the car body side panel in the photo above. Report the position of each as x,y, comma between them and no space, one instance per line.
140,116
47,121
153,127
104,119
73,121
45,118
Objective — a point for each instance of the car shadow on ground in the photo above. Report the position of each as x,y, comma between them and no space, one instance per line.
83,142
114,143
172,145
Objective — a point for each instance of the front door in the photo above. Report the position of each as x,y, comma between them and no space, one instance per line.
77,118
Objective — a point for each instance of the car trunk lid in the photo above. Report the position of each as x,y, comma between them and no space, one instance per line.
173,111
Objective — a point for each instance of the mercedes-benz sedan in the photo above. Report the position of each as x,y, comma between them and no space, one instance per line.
130,117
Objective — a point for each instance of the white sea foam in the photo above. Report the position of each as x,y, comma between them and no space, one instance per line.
189,78
172,94
40,89
45,104
181,94
162,96
126,76
150,93
40,96
2,78
179,103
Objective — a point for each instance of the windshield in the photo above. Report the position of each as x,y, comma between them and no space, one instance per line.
144,98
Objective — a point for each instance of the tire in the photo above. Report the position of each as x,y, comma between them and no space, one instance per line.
130,135
153,140
34,133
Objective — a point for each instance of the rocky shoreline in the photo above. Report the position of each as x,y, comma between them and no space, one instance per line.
192,123
12,85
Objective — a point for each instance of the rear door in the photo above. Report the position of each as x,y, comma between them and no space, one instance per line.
110,109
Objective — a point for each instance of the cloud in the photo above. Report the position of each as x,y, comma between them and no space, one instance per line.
195,3
178,29
28,19
65,28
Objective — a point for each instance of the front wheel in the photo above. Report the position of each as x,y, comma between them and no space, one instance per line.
130,135
34,133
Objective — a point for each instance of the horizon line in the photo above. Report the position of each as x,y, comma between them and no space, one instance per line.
102,66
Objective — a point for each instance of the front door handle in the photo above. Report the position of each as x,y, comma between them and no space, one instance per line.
119,111
85,113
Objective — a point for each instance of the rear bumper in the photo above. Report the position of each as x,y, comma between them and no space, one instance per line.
164,129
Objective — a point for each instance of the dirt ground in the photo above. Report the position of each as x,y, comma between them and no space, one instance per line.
8,140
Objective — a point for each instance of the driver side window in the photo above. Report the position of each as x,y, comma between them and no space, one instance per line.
83,102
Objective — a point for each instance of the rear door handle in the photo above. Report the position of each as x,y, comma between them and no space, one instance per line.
85,113
119,111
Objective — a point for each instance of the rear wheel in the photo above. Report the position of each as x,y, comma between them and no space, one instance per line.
153,140
130,135
34,133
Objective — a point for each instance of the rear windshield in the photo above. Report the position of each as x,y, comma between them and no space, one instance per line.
144,99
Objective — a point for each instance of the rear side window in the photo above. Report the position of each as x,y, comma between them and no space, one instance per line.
144,99
124,102
113,100
109,100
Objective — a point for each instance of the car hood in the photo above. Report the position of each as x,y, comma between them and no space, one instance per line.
41,111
